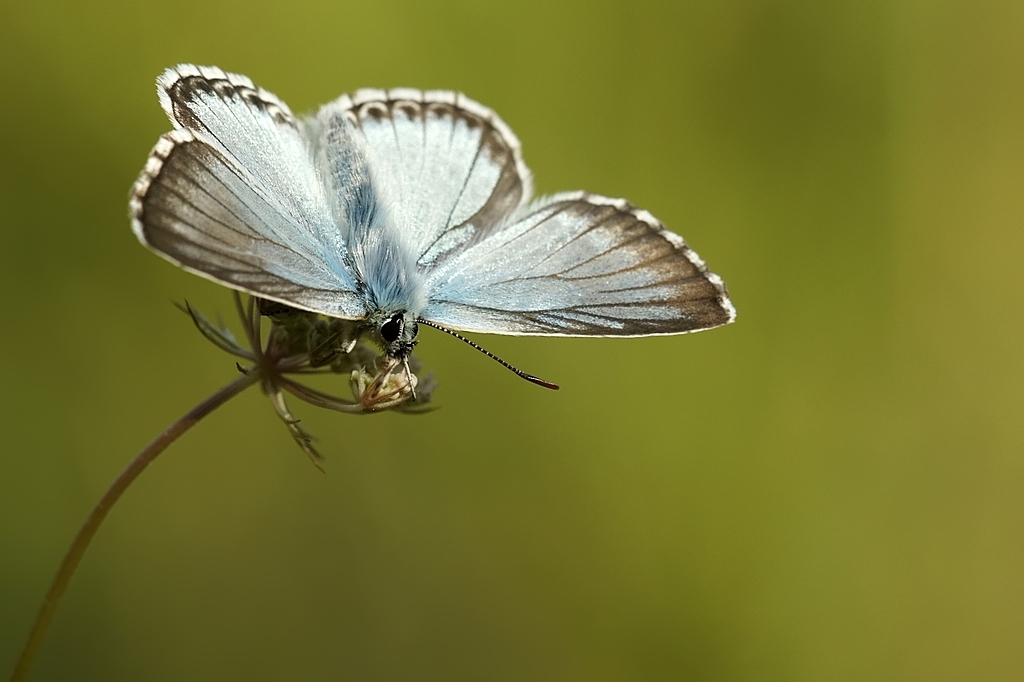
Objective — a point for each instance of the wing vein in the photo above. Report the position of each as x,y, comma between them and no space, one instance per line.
465,184
576,236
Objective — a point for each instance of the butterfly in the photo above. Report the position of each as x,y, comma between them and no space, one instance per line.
401,208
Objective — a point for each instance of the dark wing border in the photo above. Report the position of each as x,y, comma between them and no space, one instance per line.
289,293
717,312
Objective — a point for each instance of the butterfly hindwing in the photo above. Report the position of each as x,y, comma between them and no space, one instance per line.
233,195
446,168
577,264
403,201
254,128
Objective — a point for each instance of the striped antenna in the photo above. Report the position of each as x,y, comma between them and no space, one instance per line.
492,356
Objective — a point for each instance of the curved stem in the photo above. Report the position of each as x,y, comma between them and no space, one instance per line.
102,508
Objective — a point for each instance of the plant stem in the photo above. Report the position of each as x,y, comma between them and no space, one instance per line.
102,508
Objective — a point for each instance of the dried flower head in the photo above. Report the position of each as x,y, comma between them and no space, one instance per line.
298,343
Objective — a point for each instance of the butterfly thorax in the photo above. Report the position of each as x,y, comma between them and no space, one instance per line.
387,277
391,288
400,206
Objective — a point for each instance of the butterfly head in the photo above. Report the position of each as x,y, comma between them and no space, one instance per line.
397,333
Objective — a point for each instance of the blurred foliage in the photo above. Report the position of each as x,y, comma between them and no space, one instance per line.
831,488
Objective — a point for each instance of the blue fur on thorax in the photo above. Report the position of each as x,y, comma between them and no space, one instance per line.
388,278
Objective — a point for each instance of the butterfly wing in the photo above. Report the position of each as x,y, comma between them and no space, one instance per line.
233,195
426,186
577,264
451,176
446,169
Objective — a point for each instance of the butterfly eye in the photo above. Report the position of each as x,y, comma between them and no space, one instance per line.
392,329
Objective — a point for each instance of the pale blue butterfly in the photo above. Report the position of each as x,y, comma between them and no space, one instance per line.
403,207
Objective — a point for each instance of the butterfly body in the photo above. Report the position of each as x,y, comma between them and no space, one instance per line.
400,207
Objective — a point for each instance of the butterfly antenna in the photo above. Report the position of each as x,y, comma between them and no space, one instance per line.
492,356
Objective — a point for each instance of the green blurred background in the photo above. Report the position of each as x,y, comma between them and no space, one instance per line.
832,488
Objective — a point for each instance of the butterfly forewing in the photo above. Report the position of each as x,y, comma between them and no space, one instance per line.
403,201
193,206
579,265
